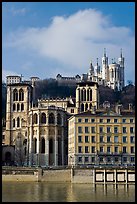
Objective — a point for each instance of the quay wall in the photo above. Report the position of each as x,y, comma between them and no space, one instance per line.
95,176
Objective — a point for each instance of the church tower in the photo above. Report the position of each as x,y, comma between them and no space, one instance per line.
105,73
121,63
91,72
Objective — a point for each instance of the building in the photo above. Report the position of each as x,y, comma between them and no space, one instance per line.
13,79
111,75
101,137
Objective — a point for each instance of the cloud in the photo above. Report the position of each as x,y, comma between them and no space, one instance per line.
76,39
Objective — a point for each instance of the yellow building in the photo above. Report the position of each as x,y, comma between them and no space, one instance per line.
101,137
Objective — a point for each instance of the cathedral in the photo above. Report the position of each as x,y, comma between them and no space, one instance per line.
111,75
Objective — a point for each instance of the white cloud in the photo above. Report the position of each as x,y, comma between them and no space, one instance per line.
74,40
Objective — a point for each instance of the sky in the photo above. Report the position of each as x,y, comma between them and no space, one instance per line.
46,38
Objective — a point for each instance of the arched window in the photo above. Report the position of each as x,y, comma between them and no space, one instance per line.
59,119
21,95
35,145
90,105
51,146
81,95
35,118
84,95
86,106
82,107
25,151
18,122
51,118
22,107
14,106
18,107
43,118
90,94
15,95
13,122
42,145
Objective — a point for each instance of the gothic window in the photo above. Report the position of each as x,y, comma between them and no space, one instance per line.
112,73
21,95
42,145
35,118
18,107
18,122
82,107
59,119
81,95
13,122
86,106
84,95
51,118
90,105
90,94
22,107
14,106
43,118
15,95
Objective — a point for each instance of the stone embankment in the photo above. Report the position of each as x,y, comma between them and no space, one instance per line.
73,175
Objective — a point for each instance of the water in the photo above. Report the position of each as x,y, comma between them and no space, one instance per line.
66,192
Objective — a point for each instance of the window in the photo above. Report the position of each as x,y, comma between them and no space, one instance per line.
100,129
108,138
35,118
124,159
86,120
18,107
80,159
86,130
115,129
115,120
124,149
14,107
116,159
101,120
108,159
86,159
58,119
13,122
131,120
124,139
18,122
72,110
79,120
116,139
124,129
108,129
21,95
92,120
101,159
132,139
15,95
131,130
101,138
51,118
79,139
101,149
79,129
116,149
22,107
93,149
92,129
124,120
108,120
132,149
108,149
132,159
86,139
86,149
93,139
79,149
43,145
43,118
92,159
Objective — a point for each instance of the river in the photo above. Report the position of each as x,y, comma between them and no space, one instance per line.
66,192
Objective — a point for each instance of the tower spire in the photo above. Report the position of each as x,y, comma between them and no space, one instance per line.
97,61
121,52
104,52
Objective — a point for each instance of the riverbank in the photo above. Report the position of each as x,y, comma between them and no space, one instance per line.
73,175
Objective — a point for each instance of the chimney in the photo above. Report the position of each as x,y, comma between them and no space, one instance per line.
130,106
